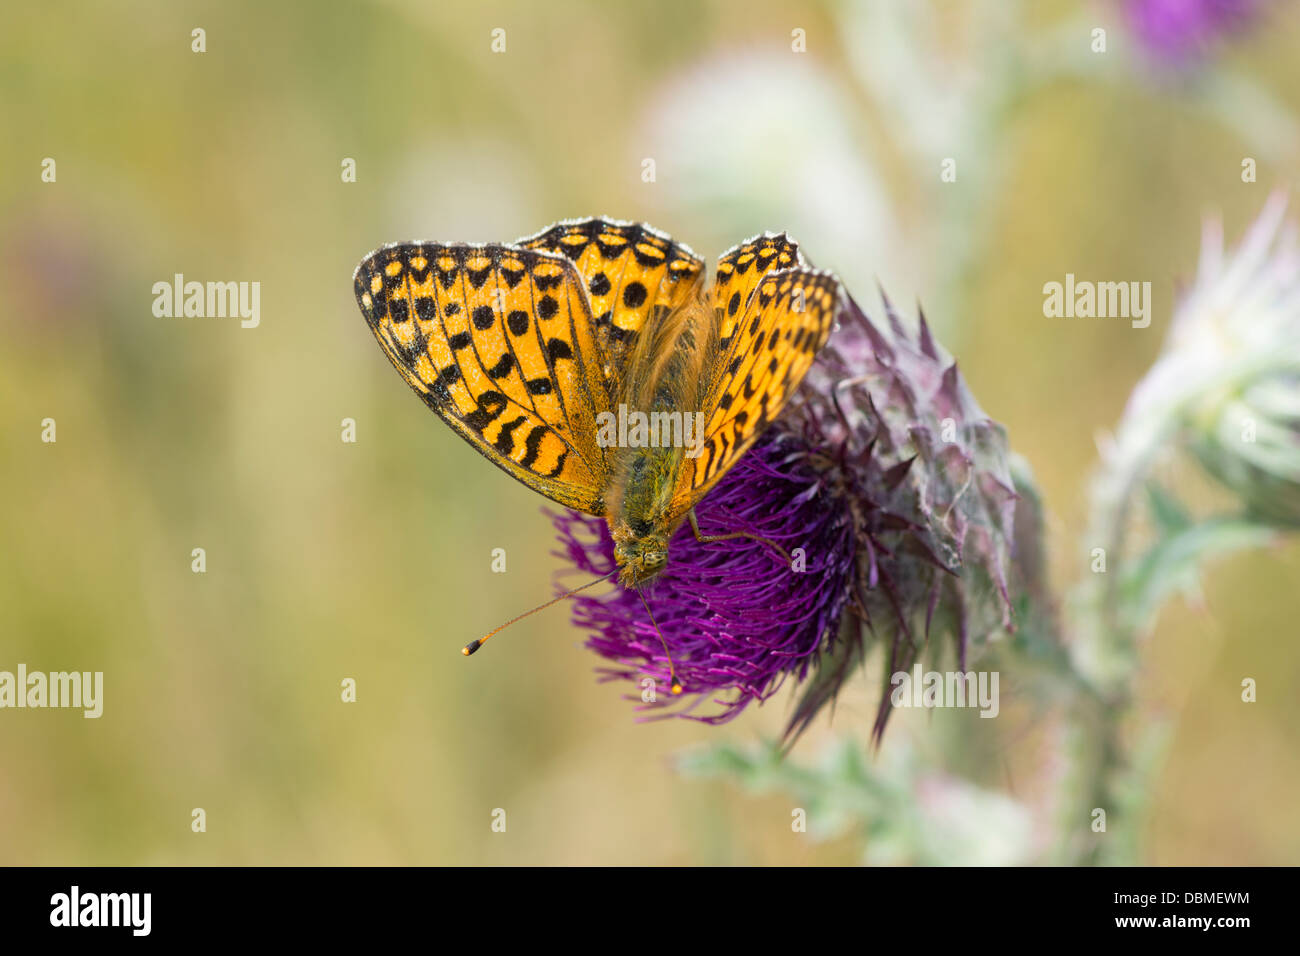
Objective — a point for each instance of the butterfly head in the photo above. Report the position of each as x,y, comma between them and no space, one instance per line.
640,558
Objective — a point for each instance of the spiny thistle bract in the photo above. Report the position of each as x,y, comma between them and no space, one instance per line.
890,488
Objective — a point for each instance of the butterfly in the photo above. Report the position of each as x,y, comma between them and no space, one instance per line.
532,351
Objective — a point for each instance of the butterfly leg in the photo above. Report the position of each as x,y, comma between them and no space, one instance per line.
710,538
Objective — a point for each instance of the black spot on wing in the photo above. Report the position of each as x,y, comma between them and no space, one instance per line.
648,259
610,250
505,442
559,464
634,295
484,317
532,445
490,404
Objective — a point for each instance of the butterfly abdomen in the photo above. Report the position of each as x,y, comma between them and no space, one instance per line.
640,521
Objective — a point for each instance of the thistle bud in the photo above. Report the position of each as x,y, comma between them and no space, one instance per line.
1231,365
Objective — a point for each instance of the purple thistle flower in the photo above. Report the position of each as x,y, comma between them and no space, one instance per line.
1180,32
890,489
736,619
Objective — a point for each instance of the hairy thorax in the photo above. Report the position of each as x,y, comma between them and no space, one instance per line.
666,377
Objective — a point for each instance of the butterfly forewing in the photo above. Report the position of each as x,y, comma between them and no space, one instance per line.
499,342
634,276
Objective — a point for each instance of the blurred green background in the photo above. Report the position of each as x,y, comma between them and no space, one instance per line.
328,560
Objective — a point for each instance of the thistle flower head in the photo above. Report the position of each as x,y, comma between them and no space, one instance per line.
889,488
736,620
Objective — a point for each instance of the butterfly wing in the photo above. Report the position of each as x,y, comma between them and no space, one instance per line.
499,341
634,276
739,270
774,314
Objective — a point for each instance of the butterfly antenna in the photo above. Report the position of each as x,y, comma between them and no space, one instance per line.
672,669
473,646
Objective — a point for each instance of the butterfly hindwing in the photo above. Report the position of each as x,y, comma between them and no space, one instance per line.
499,341
771,345
634,275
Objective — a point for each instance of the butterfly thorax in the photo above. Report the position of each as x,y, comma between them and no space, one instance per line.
665,383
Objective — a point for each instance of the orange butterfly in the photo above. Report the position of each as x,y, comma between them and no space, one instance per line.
539,353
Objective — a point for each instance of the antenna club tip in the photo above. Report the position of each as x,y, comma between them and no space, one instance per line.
471,647
677,687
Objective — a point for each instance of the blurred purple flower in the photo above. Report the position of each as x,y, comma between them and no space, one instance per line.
52,268
1181,32
903,521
